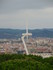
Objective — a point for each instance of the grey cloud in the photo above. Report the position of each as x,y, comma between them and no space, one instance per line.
15,5
12,13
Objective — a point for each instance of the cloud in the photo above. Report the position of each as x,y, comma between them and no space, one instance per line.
29,13
40,18
8,6
15,13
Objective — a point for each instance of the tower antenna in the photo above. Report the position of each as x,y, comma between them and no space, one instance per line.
27,31
23,40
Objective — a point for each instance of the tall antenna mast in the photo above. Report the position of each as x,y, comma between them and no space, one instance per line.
26,35
26,27
27,31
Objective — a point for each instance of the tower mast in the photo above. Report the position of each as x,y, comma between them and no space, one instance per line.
26,35
27,31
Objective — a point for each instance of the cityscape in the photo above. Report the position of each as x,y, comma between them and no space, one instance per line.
26,34
37,46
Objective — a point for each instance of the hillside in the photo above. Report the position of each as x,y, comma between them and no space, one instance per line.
16,33
24,62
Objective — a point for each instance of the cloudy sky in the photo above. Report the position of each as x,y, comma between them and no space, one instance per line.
16,13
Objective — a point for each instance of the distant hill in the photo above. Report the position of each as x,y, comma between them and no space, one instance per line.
17,33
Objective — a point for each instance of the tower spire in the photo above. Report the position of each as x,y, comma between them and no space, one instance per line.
26,35
27,31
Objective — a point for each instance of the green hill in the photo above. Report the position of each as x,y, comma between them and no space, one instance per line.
24,62
17,33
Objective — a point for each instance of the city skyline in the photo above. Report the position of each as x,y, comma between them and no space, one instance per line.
37,13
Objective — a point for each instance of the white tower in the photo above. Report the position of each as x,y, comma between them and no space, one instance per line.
27,31
26,35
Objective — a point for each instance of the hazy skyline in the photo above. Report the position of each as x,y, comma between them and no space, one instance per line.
16,13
